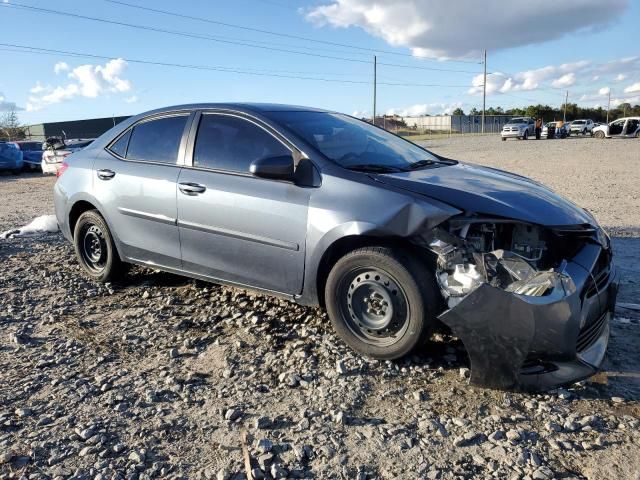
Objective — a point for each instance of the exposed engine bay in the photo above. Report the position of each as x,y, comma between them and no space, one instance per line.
530,303
516,257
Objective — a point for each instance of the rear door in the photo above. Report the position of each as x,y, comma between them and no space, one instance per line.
136,184
631,127
234,226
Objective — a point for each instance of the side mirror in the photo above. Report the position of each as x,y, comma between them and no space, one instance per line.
278,167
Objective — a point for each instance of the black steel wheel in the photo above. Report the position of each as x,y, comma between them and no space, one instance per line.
94,247
381,302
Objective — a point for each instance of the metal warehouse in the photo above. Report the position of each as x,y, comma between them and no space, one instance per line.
89,128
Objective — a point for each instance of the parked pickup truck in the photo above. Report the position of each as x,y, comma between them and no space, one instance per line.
519,127
582,126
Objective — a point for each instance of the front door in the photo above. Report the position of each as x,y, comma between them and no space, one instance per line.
234,226
136,185
616,128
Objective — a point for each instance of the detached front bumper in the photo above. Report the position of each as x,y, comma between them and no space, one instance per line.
536,343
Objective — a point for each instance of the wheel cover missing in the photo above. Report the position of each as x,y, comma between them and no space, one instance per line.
374,306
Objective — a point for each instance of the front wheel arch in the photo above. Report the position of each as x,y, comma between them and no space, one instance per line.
346,244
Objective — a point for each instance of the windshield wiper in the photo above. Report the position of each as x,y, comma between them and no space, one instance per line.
371,167
421,164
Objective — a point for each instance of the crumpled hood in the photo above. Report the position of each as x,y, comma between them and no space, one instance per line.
490,191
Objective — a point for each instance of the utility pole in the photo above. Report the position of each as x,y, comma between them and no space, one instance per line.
608,105
484,90
566,99
375,68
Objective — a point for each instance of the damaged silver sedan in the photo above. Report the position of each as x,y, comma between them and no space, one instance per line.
325,209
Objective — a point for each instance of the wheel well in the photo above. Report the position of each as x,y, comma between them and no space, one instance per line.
344,245
78,209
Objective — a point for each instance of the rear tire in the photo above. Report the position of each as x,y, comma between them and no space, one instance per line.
381,301
504,139
95,249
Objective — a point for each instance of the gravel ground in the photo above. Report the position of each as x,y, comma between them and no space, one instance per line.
161,376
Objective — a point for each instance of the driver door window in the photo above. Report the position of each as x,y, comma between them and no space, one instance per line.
230,143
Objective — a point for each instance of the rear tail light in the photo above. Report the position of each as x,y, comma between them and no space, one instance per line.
62,169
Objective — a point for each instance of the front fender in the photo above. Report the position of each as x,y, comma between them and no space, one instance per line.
399,219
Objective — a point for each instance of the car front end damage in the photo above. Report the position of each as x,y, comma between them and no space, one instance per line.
531,303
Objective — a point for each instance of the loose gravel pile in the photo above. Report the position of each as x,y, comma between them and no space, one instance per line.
158,376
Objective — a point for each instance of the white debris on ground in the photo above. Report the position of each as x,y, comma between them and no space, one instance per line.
41,224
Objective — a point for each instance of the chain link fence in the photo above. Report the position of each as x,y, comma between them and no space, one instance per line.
437,126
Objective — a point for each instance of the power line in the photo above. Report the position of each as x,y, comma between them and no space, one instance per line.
214,39
217,68
279,34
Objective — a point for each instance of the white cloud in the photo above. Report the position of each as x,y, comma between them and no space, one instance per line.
633,88
604,91
131,99
60,67
560,76
38,88
565,80
616,102
6,106
620,77
421,109
88,80
436,28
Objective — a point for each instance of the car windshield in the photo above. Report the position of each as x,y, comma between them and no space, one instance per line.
355,144
578,122
517,120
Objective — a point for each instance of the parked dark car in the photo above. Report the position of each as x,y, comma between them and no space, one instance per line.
325,209
31,154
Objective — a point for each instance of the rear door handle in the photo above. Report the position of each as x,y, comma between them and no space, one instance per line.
191,188
106,174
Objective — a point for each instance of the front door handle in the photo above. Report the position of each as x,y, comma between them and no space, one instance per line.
106,174
191,188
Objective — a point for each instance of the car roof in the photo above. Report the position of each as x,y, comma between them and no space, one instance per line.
240,106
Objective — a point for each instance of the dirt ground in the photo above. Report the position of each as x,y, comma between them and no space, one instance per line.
157,376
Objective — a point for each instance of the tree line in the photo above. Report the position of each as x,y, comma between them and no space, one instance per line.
574,111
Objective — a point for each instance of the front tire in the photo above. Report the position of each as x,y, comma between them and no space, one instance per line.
599,134
381,302
94,247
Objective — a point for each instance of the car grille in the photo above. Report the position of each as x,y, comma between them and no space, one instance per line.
599,275
590,333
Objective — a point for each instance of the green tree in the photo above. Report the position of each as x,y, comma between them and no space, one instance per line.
458,111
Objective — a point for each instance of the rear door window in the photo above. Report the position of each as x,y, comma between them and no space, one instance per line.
226,142
157,140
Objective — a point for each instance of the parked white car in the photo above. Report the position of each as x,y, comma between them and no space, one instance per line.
582,126
519,127
628,127
55,153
